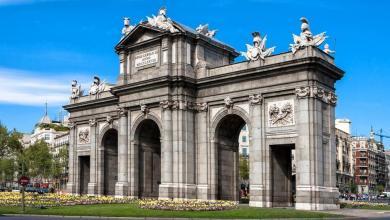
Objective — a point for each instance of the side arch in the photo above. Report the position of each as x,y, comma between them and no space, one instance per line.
140,118
224,112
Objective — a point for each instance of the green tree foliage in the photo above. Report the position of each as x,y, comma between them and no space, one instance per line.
38,160
353,187
7,168
379,188
10,148
9,142
56,127
244,167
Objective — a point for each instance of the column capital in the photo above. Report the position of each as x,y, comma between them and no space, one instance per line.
201,107
92,122
71,125
256,99
166,104
316,92
122,112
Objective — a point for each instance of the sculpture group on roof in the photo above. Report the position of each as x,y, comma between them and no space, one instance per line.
204,29
162,21
254,52
306,38
258,50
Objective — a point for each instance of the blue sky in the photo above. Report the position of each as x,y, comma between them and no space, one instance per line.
44,44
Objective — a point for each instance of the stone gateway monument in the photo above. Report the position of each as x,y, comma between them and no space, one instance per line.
169,127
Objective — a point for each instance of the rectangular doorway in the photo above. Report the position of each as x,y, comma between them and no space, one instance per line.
84,162
282,179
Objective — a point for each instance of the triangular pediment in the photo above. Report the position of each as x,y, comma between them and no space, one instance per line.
140,33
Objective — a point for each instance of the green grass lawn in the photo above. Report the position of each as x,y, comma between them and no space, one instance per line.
132,210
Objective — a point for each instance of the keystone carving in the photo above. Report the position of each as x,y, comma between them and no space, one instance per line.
144,109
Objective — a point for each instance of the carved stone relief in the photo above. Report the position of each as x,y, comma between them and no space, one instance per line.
83,135
281,113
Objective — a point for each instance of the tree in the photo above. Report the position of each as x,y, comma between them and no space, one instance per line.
244,167
353,187
379,188
7,168
38,160
10,148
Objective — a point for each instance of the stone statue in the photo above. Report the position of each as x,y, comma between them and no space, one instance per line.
127,28
97,86
162,21
76,90
258,50
327,50
306,38
204,29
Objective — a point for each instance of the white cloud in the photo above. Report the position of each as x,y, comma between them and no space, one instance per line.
35,88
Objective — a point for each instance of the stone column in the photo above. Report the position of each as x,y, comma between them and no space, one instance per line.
121,187
256,147
133,160
70,186
165,189
202,152
312,192
92,186
122,68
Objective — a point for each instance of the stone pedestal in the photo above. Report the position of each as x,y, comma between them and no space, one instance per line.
92,189
121,189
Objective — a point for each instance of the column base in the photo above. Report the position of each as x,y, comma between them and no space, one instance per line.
92,189
165,191
203,192
323,198
316,206
71,188
121,189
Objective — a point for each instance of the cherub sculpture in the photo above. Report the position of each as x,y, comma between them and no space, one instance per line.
327,50
162,21
306,38
258,50
204,29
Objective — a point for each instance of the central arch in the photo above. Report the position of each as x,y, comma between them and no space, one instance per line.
226,140
147,138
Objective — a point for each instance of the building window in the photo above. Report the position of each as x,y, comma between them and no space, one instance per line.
245,151
244,128
47,136
244,139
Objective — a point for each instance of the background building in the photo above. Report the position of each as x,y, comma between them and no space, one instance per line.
370,164
243,141
344,161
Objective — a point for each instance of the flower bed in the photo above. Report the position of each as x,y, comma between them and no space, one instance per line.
52,199
187,205
360,204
